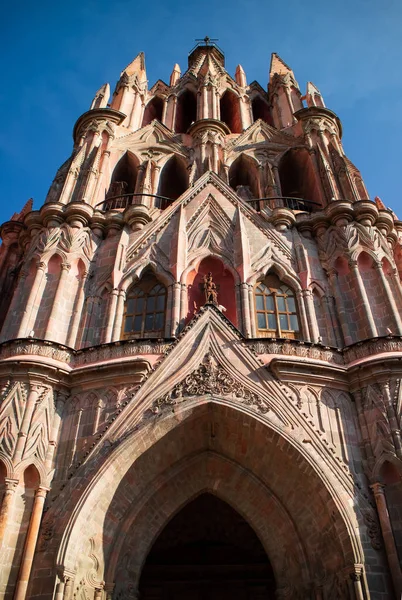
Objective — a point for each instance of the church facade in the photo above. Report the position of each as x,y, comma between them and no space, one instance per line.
200,357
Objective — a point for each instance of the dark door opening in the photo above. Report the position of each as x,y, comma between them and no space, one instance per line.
207,552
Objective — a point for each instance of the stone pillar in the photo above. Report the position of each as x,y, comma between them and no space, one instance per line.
303,318
7,506
397,283
26,320
68,588
356,577
245,309
390,298
9,321
61,398
204,114
110,317
215,102
183,304
392,418
30,544
55,316
332,322
136,113
337,294
311,316
35,390
176,293
363,295
277,183
77,312
389,542
118,322
169,312
253,328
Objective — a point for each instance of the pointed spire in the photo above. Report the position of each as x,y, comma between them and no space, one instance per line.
175,76
278,66
137,67
313,96
380,204
101,98
240,76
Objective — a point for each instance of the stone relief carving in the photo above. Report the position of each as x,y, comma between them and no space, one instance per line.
373,528
11,415
211,378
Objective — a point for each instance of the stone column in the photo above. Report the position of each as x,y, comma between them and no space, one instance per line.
277,184
77,312
183,304
397,283
136,113
7,505
215,102
390,298
356,577
363,295
61,398
176,293
392,418
169,312
30,544
387,534
332,322
26,320
118,322
337,294
35,390
111,313
55,316
9,321
204,114
253,328
305,331
245,309
68,588
311,316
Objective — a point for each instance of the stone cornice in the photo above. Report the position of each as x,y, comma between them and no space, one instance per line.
108,114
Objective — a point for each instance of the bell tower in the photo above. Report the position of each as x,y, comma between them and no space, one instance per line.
200,352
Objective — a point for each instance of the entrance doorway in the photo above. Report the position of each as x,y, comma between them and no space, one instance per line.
207,552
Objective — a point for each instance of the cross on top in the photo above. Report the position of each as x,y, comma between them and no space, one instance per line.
207,40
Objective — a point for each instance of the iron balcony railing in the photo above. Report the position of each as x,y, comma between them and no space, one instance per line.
291,203
122,201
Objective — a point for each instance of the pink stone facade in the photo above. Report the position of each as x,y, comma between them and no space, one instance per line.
124,396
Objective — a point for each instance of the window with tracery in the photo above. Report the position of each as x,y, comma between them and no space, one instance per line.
145,308
276,311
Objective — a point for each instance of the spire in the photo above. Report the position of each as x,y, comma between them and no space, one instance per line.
278,66
313,96
240,76
137,67
175,76
101,98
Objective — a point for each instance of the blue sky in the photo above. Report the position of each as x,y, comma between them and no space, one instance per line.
56,55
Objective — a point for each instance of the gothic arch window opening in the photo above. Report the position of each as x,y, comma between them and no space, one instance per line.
153,110
298,179
186,111
145,309
276,310
173,181
243,177
260,110
230,111
123,182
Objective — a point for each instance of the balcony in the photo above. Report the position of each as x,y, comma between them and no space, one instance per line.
123,201
297,204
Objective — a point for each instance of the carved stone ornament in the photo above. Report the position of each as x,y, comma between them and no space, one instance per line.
373,528
210,379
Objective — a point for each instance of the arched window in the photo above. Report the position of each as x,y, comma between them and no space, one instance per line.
123,182
230,111
173,181
243,177
186,111
153,110
261,110
144,314
298,179
276,311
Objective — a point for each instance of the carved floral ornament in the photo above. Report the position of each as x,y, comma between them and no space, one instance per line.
210,378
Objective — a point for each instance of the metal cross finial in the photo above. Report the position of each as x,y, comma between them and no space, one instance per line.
207,40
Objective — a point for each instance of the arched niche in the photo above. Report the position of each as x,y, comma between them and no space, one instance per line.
260,110
186,111
145,308
173,181
124,179
297,176
378,303
230,111
153,110
244,176
207,550
52,277
224,282
391,477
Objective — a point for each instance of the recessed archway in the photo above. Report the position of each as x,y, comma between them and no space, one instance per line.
206,552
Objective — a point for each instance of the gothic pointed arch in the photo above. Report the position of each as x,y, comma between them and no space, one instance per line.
276,309
298,178
153,110
260,109
244,177
186,110
145,308
230,111
173,181
123,181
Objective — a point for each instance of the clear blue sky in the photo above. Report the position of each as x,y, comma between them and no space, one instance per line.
55,55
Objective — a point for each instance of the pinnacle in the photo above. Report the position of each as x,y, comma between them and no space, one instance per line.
137,66
278,66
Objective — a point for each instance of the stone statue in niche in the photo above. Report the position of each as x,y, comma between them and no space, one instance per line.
211,293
